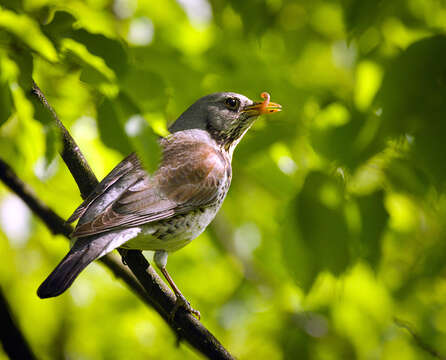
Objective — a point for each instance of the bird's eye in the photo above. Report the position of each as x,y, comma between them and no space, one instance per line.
232,103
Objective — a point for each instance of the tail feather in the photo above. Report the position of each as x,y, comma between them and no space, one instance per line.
84,251
68,269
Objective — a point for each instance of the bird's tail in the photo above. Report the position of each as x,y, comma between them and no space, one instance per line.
80,255
84,251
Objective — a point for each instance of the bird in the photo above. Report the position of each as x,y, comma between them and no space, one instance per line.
166,210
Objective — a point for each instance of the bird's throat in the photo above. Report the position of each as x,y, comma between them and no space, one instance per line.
228,138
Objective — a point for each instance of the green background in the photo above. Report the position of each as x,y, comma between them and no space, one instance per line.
333,232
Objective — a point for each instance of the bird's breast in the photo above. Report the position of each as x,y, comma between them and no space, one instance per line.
174,233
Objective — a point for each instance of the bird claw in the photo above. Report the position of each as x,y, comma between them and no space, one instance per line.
181,302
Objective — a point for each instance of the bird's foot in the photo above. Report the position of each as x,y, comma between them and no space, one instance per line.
181,302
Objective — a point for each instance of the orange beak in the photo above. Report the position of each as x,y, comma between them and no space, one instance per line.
263,107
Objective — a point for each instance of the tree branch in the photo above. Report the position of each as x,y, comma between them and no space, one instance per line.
161,297
53,221
71,154
14,343
58,226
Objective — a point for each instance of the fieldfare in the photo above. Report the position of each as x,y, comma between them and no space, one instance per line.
165,211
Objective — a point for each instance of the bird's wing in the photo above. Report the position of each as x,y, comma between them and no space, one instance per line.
126,165
189,177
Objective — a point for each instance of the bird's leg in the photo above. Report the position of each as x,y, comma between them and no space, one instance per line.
160,259
181,300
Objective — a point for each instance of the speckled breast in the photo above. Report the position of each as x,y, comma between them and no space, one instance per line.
174,233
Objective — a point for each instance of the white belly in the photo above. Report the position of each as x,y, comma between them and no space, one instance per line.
172,234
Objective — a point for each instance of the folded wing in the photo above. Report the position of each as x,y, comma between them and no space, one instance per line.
190,176
124,167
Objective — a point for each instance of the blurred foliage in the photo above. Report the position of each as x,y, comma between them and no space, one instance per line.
335,222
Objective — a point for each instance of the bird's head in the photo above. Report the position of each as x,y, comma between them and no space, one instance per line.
226,116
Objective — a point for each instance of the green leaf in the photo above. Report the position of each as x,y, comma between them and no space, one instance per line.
123,128
256,15
111,128
374,218
322,223
413,98
5,102
349,143
298,258
143,139
318,236
25,65
95,68
28,31
60,25
405,176
360,15
92,18
20,67
16,5
53,142
111,51
146,89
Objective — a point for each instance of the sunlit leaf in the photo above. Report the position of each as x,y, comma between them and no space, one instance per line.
28,31
93,19
112,51
95,68
60,25
21,94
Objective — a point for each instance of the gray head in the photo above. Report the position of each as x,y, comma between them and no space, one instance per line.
225,115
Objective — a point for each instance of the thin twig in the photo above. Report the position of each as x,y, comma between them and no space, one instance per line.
184,324
417,338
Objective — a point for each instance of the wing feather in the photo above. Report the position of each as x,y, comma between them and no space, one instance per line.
117,173
190,176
